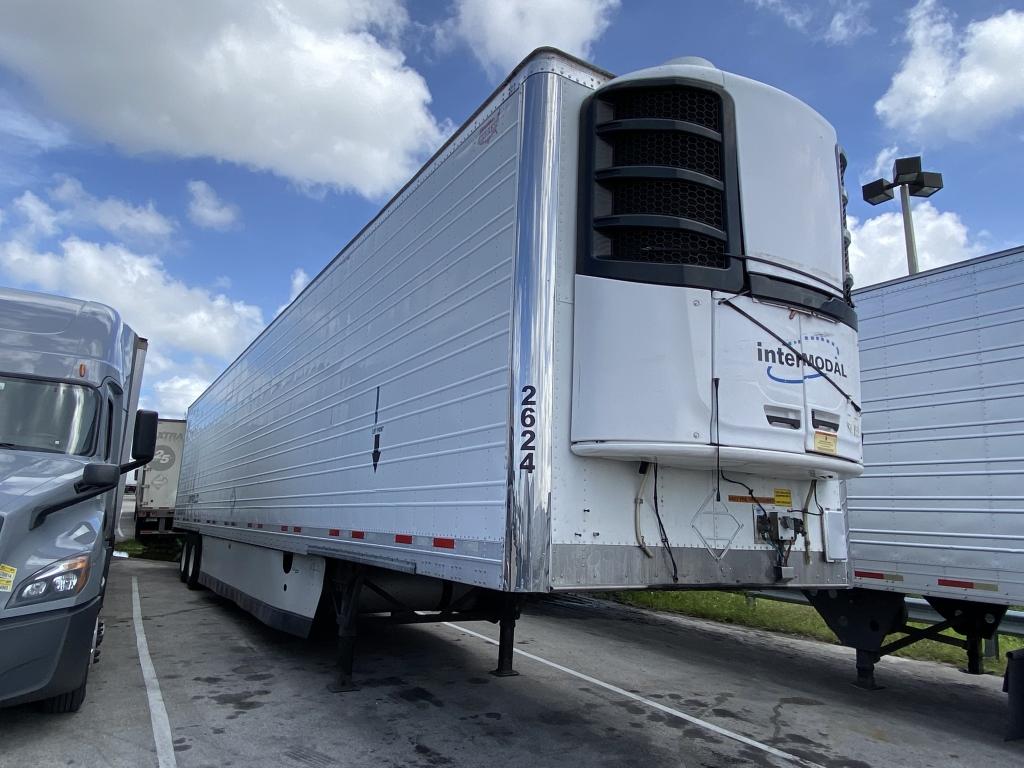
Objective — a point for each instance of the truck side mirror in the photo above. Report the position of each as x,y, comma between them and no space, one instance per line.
100,476
144,442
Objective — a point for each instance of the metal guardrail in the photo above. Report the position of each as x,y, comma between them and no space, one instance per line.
917,610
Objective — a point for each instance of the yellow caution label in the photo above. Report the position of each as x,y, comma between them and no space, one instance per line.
7,574
783,498
825,442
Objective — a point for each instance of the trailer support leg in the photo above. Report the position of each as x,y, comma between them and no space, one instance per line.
1013,684
866,661
506,637
347,586
975,666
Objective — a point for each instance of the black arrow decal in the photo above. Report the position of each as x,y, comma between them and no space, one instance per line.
376,433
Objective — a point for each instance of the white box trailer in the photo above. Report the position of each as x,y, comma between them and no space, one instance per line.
601,341
938,510
157,482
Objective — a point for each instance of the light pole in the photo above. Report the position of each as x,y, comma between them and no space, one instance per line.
908,176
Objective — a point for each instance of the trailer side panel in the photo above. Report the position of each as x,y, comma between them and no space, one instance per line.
939,509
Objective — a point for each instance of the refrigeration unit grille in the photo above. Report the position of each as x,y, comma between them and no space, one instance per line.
669,246
658,192
682,199
692,105
674,149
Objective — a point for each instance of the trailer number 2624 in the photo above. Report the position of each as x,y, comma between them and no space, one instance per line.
528,420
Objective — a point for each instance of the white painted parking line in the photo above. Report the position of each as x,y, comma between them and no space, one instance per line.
157,711
654,704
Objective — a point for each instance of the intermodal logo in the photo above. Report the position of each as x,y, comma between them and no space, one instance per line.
780,357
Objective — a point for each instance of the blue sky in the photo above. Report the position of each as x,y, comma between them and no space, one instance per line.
193,169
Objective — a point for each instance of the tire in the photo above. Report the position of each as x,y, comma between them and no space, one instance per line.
65,703
186,548
194,561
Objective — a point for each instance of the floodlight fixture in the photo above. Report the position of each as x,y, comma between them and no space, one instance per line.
908,176
926,184
877,191
906,169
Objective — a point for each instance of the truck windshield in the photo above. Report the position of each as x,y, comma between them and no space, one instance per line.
47,416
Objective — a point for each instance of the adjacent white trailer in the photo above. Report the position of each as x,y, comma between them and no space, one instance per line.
938,511
157,482
602,340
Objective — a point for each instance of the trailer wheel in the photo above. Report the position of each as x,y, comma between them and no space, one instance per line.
186,546
195,553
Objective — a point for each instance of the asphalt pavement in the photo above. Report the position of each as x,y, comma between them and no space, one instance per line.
600,685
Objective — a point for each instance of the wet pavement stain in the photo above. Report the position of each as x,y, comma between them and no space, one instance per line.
432,757
242,701
419,694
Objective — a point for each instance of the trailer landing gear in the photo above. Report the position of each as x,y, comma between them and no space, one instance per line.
506,636
348,582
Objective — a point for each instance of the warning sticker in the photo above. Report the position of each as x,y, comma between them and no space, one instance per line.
783,497
751,499
825,442
7,574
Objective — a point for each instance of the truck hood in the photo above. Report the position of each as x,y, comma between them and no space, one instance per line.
26,476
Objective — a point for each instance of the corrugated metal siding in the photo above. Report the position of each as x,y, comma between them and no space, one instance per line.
942,496
417,309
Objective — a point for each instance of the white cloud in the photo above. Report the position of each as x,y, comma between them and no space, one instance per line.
112,214
159,306
838,23
40,218
878,251
795,16
193,332
882,167
955,85
207,210
849,21
299,280
500,33
176,394
314,91
79,208
30,133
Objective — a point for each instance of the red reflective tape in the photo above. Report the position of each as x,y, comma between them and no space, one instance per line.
869,575
403,538
444,543
358,535
956,583
284,528
334,532
296,529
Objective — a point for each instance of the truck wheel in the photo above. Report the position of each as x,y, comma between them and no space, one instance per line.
195,556
186,546
64,703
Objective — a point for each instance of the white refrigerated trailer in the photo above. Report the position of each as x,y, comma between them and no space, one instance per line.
157,482
601,341
938,511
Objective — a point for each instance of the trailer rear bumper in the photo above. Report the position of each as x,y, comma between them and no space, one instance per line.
46,654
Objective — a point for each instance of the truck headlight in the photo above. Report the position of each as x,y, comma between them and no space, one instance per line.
65,578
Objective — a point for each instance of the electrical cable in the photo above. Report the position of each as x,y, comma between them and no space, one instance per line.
661,526
636,512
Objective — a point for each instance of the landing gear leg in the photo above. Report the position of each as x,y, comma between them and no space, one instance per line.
347,585
866,661
507,636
